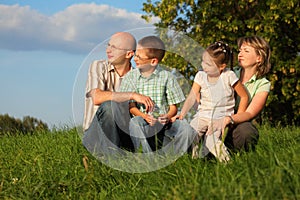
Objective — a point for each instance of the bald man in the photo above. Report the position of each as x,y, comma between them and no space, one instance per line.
106,117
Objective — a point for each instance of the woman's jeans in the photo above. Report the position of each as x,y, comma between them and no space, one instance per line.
243,136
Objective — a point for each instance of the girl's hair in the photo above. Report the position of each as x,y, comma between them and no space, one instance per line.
262,49
221,53
154,45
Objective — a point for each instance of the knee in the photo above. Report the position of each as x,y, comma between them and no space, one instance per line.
185,127
182,129
245,136
137,121
246,130
104,110
105,106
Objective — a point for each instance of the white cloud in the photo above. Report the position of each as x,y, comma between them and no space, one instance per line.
77,29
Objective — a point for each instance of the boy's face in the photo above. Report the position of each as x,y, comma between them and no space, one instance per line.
209,66
141,59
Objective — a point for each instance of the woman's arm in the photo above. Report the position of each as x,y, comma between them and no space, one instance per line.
242,93
255,107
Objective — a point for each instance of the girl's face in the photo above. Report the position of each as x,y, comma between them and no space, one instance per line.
247,56
209,66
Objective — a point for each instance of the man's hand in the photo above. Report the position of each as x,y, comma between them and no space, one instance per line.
89,93
93,94
147,101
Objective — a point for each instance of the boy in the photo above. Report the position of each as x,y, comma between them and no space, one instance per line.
162,87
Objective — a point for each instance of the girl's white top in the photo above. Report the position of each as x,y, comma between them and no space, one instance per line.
217,99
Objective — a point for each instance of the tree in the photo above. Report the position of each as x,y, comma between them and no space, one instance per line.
12,126
9,124
31,124
277,21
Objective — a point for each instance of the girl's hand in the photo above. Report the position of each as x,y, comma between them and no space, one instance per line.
173,119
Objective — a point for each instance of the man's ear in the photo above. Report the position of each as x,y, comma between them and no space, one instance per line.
129,54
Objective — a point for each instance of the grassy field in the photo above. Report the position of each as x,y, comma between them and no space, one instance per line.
50,166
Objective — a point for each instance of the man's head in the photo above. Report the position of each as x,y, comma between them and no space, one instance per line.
120,48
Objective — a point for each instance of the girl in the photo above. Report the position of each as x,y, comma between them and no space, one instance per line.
214,89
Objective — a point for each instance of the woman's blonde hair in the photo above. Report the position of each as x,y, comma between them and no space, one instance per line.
262,49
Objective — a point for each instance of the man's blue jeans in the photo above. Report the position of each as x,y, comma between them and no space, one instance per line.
108,132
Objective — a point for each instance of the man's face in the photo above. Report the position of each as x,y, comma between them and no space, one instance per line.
116,50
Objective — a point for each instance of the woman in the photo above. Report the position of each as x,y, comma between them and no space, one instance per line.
254,61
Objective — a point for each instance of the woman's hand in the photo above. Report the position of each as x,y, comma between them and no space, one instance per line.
218,125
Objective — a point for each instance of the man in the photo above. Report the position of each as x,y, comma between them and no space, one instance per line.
106,118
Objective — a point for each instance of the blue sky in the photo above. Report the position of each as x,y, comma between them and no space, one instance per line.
45,50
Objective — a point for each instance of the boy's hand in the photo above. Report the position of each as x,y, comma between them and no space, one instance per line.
150,119
163,119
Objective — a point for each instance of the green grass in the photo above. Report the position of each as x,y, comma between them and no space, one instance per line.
50,166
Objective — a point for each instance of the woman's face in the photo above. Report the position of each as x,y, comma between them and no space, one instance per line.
209,66
247,56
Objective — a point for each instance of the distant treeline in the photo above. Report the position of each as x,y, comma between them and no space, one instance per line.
28,125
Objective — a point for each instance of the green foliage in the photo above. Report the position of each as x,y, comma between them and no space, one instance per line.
50,166
10,125
278,21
